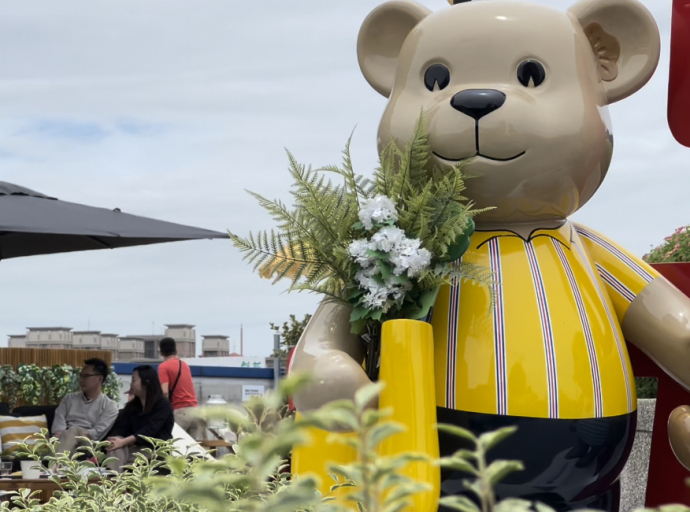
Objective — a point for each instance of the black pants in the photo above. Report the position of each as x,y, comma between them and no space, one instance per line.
569,464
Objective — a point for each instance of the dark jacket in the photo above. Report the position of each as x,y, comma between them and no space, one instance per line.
157,423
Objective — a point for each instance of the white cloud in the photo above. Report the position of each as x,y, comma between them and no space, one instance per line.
172,109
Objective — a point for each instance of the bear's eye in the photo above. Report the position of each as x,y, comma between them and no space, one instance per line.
437,74
531,73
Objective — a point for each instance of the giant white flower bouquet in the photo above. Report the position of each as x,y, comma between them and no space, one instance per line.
382,246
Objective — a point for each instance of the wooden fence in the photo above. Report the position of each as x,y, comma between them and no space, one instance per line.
49,357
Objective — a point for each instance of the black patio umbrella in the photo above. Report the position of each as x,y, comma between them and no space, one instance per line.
32,223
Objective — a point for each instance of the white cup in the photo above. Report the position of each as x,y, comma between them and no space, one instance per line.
30,469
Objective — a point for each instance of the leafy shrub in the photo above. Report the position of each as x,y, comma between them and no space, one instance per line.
675,248
254,478
34,385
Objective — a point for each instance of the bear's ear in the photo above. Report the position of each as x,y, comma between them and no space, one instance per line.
625,42
381,38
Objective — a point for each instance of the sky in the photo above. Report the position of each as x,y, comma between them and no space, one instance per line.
172,109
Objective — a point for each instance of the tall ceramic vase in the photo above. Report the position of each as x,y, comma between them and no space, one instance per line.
407,368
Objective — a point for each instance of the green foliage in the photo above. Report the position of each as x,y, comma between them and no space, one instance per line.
289,334
254,478
674,249
647,387
473,462
9,385
112,386
31,384
35,385
311,245
91,487
59,381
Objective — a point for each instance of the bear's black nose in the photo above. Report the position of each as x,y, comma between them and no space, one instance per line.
477,103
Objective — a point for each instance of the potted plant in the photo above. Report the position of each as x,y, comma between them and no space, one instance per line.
30,459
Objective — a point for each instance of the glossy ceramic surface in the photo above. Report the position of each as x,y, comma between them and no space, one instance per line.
533,353
407,367
679,73
569,464
524,91
315,456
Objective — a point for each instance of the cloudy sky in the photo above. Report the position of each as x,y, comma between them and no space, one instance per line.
172,109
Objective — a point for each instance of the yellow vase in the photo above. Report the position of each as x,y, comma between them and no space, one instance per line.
407,368
317,454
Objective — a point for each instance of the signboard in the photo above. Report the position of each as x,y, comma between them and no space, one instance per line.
250,391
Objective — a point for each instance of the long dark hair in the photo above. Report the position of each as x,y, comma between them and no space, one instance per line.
150,382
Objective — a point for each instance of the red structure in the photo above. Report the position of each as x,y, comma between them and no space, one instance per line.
679,73
666,480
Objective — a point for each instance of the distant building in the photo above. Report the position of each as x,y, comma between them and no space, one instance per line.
185,337
215,345
16,341
49,337
134,347
86,340
130,347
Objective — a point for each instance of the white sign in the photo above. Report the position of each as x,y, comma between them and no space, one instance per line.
250,391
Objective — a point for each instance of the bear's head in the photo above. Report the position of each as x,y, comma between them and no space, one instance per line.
520,87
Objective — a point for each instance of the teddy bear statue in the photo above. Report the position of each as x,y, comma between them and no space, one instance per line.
522,89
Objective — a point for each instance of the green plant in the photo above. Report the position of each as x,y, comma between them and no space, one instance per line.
59,381
647,387
253,479
675,248
9,384
289,334
88,486
112,386
486,476
383,246
31,384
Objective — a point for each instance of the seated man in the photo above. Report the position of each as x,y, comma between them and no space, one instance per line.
88,413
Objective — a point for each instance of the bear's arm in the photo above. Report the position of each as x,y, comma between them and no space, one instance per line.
332,355
654,315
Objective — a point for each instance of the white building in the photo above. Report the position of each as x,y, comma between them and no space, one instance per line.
49,337
135,347
16,340
130,347
185,338
215,345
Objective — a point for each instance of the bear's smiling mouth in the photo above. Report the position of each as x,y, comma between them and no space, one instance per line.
478,154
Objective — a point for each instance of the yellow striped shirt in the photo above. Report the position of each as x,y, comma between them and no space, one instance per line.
551,347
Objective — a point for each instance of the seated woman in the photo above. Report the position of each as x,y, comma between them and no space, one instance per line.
148,414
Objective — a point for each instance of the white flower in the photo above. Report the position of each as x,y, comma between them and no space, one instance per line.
398,290
358,250
418,262
379,209
387,238
365,279
407,255
376,298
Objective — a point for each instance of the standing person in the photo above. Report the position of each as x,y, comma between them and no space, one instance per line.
176,380
88,413
148,414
